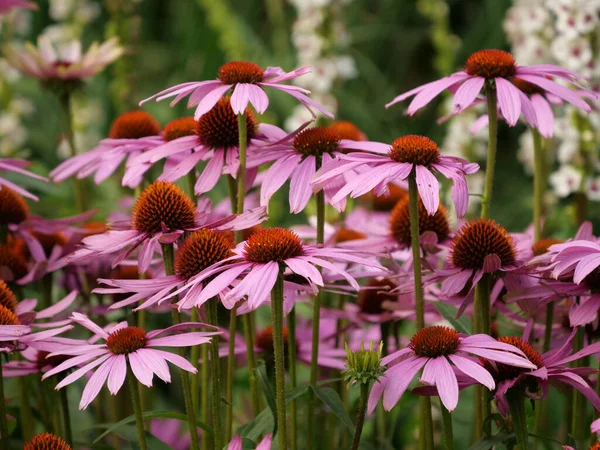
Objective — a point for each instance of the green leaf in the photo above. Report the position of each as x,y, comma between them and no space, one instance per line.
262,424
295,393
149,415
489,441
129,433
334,402
464,324
263,379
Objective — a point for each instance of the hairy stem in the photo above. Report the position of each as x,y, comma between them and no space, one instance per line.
215,365
137,407
516,404
360,415
447,433
486,201
278,345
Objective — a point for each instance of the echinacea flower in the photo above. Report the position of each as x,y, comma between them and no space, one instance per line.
162,213
436,349
46,441
253,269
247,80
500,68
172,432
7,5
48,62
383,164
126,346
130,134
18,166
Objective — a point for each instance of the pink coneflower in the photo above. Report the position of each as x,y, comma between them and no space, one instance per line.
130,134
7,5
18,166
405,155
435,350
499,67
256,264
172,432
126,346
237,443
247,81
214,137
162,213
65,63
45,441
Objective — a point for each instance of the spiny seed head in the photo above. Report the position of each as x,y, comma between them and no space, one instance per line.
46,441
542,246
363,366
42,359
527,87
201,250
316,141
273,244
478,239
595,446
13,261
264,339
371,298
48,241
383,203
126,340
163,202
240,72
400,222
503,372
347,130
7,297
184,126
348,234
13,207
491,64
134,125
7,317
435,341
415,149
218,128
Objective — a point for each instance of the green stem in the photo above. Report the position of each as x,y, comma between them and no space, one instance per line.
230,374
137,407
580,423
516,404
4,439
232,193
26,415
249,337
291,323
278,346
195,357
205,399
64,404
46,290
486,200
538,185
241,175
191,183
80,194
447,433
215,365
360,415
482,310
549,323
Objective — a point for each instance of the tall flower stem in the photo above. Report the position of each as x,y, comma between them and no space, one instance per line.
215,365
447,433
426,436
516,404
360,415
4,439
291,323
205,397
316,317
64,405
241,175
195,357
490,165
230,374
579,425
137,407
80,194
482,326
278,346
25,409
169,260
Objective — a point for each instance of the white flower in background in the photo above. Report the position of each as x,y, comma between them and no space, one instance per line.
575,53
566,181
592,189
525,152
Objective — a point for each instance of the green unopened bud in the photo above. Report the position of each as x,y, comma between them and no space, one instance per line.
363,366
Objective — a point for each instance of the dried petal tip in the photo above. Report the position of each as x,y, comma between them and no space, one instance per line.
415,149
178,128
241,72
46,441
201,250
13,207
491,64
273,244
126,340
347,130
218,128
435,341
400,222
163,203
316,141
134,125
481,238
363,366
7,297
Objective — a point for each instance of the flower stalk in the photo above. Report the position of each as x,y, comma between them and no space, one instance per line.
64,406
230,374
516,404
137,408
4,439
447,432
360,414
278,346
492,101
215,366
291,323
482,326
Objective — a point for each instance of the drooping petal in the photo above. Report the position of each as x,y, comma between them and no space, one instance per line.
509,100
429,189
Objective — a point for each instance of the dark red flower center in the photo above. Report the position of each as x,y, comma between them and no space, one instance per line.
347,130
201,250
134,125
527,87
491,64
348,234
126,340
316,141
46,441
218,128
48,241
503,372
383,203
400,222
372,296
478,239
240,72
595,446
13,207
184,126
273,244
264,339
542,246
7,317
42,359
13,261
435,341
7,297
415,149
163,203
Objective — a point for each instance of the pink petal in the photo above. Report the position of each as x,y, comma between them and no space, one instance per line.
97,380
445,380
467,93
139,369
508,100
399,377
473,370
210,100
258,98
210,175
558,90
117,375
429,189
431,90
300,190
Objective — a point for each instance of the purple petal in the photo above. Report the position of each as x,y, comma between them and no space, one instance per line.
97,380
473,370
467,93
429,189
210,100
508,100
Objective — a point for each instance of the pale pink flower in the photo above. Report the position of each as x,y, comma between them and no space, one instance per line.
18,166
